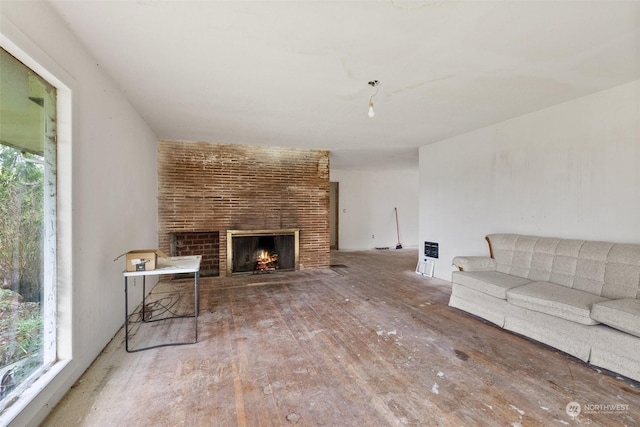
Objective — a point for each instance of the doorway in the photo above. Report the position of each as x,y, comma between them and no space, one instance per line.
333,215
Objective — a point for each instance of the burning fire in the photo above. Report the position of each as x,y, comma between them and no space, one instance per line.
266,261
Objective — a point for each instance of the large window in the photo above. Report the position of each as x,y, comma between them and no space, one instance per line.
27,226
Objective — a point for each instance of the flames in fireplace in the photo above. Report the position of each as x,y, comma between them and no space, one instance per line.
267,261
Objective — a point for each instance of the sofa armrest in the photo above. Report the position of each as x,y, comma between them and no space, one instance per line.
474,263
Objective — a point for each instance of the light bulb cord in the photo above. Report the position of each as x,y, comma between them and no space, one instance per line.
371,97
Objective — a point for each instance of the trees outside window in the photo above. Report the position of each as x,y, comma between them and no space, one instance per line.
27,226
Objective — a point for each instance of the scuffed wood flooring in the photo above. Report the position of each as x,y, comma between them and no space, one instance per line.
365,343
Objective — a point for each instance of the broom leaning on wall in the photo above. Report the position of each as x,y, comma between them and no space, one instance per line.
398,246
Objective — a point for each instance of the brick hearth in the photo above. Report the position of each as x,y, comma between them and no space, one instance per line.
206,187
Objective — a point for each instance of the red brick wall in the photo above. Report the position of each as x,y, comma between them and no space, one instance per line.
205,243
216,187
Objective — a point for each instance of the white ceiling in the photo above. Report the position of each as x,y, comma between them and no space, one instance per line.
295,73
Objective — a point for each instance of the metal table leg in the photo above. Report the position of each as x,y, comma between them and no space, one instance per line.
196,307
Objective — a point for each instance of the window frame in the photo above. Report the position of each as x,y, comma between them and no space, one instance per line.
58,265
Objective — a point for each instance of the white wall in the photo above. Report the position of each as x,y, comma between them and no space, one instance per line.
572,170
108,179
366,208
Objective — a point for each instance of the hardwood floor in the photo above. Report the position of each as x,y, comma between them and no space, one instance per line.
365,343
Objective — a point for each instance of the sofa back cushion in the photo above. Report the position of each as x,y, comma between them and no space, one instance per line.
529,257
565,262
610,270
502,247
522,256
590,268
542,259
622,272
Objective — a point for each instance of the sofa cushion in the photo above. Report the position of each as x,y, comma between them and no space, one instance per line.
542,259
565,262
622,272
622,314
491,283
556,300
590,268
502,247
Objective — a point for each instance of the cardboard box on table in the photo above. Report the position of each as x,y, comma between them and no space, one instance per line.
142,259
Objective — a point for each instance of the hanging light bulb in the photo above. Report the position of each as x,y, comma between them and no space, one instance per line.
373,83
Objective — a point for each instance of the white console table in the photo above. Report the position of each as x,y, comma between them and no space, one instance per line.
172,265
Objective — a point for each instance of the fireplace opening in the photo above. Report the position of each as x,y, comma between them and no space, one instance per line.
262,251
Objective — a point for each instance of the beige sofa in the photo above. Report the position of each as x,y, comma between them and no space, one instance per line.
581,297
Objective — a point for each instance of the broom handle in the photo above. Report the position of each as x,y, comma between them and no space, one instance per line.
397,226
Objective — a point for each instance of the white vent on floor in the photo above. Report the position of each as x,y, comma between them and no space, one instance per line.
425,267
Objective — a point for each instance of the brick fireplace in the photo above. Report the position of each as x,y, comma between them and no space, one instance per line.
209,189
